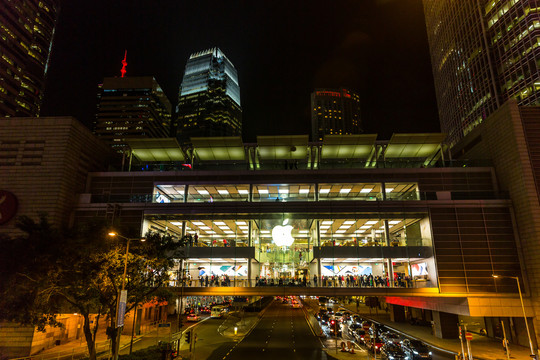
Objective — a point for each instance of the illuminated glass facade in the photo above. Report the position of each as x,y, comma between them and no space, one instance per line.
26,34
483,53
209,98
334,112
131,107
411,218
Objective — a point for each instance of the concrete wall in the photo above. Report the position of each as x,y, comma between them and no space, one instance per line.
45,163
15,340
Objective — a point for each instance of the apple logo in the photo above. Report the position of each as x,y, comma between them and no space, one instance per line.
282,235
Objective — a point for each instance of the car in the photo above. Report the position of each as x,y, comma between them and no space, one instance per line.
356,319
352,328
393,352
374,344
193,317
416,349
338,316
391,338
324,319
320,314
360,336
366,324
296,305
204,310
218,311
377,330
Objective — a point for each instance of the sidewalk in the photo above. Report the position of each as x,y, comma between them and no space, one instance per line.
482,347
78,348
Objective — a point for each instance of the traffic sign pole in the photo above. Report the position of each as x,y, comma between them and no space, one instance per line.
468,336
461,341
505,342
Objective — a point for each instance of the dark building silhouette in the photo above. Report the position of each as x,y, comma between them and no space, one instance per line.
334,112
131,107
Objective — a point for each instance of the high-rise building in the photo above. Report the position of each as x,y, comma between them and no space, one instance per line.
131,107
26,34
334,112
209,99
483,53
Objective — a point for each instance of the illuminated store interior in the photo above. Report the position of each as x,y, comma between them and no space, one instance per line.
293,246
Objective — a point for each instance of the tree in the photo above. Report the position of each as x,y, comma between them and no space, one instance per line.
81,269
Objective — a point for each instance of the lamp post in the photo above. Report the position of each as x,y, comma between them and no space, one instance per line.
114,234
522,308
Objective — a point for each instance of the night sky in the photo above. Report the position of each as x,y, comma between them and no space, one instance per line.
282,50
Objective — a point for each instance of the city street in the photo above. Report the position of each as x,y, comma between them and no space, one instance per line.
281,333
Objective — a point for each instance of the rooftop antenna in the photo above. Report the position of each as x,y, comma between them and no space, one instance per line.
124,64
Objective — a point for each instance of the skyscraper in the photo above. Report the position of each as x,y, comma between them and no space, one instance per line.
483,53
334,112
26,34
131,107
209,99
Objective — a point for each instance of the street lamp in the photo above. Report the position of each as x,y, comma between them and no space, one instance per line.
522,308
114,234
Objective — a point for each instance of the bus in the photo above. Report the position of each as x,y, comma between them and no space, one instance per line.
323,301
218,311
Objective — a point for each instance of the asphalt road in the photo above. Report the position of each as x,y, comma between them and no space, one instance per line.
282,333
437,355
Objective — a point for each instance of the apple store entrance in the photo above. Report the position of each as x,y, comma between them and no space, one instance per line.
302,249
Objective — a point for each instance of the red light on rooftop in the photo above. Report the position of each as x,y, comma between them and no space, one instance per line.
124,64
328,93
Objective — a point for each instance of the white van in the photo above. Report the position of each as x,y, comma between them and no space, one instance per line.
218,312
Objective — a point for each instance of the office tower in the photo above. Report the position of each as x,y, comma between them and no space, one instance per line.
26,34
483,53
131,107
334,112
209,99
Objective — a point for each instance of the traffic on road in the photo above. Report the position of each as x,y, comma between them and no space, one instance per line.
378,339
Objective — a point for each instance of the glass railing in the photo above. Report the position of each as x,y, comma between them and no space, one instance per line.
379,242
304,165
411,196
352,281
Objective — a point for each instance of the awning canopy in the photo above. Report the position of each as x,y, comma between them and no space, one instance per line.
413,145
288,147
227,148
348,146
156,150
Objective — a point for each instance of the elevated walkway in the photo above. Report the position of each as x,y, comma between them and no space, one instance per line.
306,291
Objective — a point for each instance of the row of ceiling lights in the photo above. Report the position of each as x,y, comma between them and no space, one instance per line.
286,191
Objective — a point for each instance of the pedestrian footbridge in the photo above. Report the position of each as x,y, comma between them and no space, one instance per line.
303,290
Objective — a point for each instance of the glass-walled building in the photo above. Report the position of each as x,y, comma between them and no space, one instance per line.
351,206
347,216
387,246
209,98
483,53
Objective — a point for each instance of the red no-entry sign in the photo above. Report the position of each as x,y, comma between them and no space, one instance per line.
468,336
